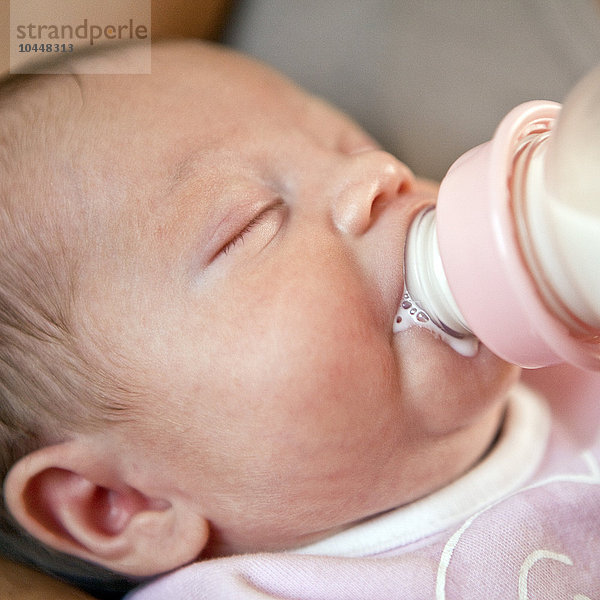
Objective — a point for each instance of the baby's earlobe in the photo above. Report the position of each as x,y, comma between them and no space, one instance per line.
68,504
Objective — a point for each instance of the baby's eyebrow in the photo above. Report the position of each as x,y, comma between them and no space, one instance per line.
198,164
195,163
184,172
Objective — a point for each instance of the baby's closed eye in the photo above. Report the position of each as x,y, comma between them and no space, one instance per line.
263,226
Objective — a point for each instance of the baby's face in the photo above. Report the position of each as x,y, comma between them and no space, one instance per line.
248,262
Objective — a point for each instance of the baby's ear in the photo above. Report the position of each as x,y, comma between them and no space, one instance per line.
64,496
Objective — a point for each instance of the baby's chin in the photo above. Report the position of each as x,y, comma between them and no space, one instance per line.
432,367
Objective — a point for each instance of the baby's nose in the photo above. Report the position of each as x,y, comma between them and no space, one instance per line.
368,181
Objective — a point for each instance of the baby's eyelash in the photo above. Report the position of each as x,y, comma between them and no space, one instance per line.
277,205
239,237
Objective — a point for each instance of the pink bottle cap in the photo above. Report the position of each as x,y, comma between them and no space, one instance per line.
487,275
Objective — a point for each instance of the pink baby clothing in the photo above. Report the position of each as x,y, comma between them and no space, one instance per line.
523,524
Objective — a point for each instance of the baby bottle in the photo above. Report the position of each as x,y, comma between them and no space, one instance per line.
511,253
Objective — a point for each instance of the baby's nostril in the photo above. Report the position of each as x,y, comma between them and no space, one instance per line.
379,204
406,185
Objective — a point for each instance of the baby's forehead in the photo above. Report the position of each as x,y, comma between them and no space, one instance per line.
126,130
195,76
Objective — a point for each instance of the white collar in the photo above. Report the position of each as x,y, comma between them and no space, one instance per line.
513,460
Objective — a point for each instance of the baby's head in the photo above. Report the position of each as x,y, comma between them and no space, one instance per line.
200,270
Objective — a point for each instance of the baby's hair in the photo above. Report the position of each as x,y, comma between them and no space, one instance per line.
50,382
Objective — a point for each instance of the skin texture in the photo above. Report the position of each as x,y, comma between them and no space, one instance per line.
246,268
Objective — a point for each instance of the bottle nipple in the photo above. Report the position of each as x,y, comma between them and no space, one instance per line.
409,314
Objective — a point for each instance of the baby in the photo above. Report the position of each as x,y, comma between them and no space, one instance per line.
200,269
